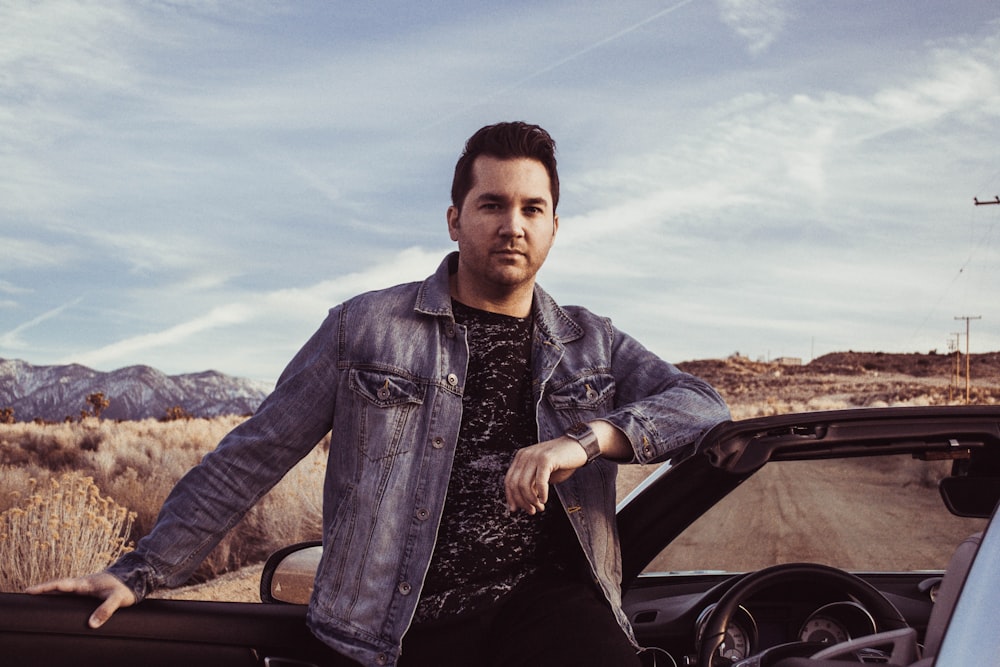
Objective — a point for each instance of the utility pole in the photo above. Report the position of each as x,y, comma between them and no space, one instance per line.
996,200
955,345
968,382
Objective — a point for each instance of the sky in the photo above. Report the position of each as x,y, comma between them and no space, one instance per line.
192,185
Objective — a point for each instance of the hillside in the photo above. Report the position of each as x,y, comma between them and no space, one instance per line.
53,393
851,379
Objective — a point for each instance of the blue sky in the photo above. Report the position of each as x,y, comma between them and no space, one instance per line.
191,185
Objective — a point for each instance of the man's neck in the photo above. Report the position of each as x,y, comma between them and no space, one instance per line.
515,303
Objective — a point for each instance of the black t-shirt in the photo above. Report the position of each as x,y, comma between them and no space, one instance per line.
482,550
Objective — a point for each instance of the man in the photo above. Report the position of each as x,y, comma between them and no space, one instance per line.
469,499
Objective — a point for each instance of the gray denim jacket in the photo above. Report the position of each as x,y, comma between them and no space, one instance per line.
385,372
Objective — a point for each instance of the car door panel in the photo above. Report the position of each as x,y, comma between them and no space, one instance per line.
157,632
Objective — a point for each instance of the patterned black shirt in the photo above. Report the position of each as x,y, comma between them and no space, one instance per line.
482,550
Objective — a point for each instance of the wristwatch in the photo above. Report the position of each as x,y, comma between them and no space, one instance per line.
585,435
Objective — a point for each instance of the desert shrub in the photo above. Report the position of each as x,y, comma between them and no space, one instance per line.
63,529
175,413
57,447
138,463
143,494
16,481
91,441
98,403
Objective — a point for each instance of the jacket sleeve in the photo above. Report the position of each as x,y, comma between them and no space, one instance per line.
214,495
657,406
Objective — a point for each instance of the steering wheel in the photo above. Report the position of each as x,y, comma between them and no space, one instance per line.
885,614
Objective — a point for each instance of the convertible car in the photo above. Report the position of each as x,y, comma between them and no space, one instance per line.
790,541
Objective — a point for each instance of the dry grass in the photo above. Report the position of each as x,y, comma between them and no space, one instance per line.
138,463
64,528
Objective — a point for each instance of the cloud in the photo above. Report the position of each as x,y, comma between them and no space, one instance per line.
291,308
12,339
759,22
220,316
10,288
21,253
55,47
766,149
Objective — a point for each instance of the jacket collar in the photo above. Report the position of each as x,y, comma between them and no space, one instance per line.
434,298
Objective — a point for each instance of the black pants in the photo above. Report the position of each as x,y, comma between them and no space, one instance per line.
546,621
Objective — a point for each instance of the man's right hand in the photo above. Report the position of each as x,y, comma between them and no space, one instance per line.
102,585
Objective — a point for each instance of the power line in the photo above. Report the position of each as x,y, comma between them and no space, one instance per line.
996,200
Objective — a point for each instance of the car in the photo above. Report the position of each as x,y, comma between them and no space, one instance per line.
783,541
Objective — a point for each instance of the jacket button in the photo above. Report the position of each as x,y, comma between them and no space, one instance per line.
437,443
404,588
449,331
382,659
423,514
452,379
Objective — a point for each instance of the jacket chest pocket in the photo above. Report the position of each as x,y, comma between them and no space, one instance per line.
383,403
583,398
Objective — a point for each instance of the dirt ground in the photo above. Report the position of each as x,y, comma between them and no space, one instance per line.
850,379
836,512
240,586
835,381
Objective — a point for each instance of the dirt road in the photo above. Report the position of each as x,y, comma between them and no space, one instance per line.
842,513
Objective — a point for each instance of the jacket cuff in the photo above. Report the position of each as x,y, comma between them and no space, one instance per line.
136,573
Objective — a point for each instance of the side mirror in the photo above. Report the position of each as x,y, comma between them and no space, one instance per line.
289,573
970,496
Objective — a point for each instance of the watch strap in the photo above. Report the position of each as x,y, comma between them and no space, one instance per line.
585,435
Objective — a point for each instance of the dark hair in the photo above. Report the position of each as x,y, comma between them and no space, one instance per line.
505,141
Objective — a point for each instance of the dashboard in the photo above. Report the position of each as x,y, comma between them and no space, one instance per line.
671,615
829,624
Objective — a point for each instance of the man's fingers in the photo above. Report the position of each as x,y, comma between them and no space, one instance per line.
81,585
108,588
540,488
105,611
526,484
514,491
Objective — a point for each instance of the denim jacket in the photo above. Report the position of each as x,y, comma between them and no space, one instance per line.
385,372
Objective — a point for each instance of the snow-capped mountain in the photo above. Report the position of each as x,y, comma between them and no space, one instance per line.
53,393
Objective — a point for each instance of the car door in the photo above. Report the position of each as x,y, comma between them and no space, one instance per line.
53,631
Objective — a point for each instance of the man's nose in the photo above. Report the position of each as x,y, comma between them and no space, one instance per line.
513,224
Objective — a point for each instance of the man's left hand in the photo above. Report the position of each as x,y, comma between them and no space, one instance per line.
535,467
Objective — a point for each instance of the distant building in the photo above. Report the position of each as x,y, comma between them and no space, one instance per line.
788,361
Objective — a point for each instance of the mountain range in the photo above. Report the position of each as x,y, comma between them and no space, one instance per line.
53,393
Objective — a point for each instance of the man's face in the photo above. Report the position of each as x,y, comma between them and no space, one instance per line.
505,228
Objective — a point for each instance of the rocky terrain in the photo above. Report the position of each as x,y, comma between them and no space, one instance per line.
849,379
53,393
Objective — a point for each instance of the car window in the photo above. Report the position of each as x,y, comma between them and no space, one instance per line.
864,514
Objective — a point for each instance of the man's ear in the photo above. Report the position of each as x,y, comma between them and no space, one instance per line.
453,215
555,225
